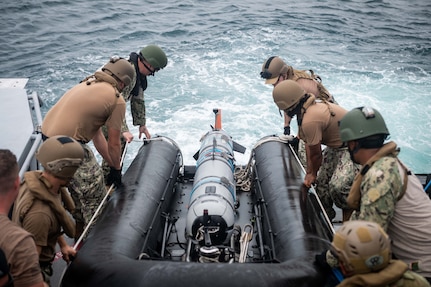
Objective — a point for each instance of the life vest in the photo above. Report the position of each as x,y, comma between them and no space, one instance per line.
354,197
100,76
35,187
141,80
308,101
294,74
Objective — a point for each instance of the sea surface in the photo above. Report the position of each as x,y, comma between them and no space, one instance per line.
375,53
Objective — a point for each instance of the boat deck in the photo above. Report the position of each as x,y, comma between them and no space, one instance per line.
20,115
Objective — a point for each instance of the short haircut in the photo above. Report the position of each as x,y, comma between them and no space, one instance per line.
373,141
8,170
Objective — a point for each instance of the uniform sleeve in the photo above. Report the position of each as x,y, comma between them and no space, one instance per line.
380,189
38,224
116,120
137,107
124,127
25,266
312,133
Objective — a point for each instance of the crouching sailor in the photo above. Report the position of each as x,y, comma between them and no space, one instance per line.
385,191
40,207
360,255
80,113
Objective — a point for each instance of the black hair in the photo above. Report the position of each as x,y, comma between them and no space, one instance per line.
374,141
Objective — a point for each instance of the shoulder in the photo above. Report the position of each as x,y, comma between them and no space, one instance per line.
23,258
382,180
412,279
11,232
15,239
386,168
315,111
39,218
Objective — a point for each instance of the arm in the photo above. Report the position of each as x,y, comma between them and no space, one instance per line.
67,250
379,192
114,148
144,130
287,120
314,161
127,135
25,268
137,107
102,146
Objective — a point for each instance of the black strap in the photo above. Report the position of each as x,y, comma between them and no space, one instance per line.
268,62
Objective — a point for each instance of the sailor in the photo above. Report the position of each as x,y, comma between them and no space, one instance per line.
332,171
80,113
360,255
275,70
40,207
150,60
386,191
147,62
16,245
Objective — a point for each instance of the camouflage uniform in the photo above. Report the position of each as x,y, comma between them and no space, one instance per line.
135,94
87,188
302,155
378,191
334,178
405,216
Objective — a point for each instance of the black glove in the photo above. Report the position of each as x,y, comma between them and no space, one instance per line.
320,261
286,130
114,177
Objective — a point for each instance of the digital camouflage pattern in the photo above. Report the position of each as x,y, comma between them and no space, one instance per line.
137,107
335,178
302,154
137,104
380,188
87,188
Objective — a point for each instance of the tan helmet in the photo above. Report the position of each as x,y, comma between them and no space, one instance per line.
362,247
287,94
272,68
61,156
121,69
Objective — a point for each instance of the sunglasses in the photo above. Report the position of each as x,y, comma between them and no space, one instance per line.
266,75
142,59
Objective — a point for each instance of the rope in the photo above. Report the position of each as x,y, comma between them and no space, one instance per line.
58,255
243,176
244,241
100,205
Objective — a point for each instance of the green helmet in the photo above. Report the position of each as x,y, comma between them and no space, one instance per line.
272,68
362,122
61,156
121,69
287,94
155,56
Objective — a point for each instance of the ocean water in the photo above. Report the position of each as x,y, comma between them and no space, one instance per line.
375,52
